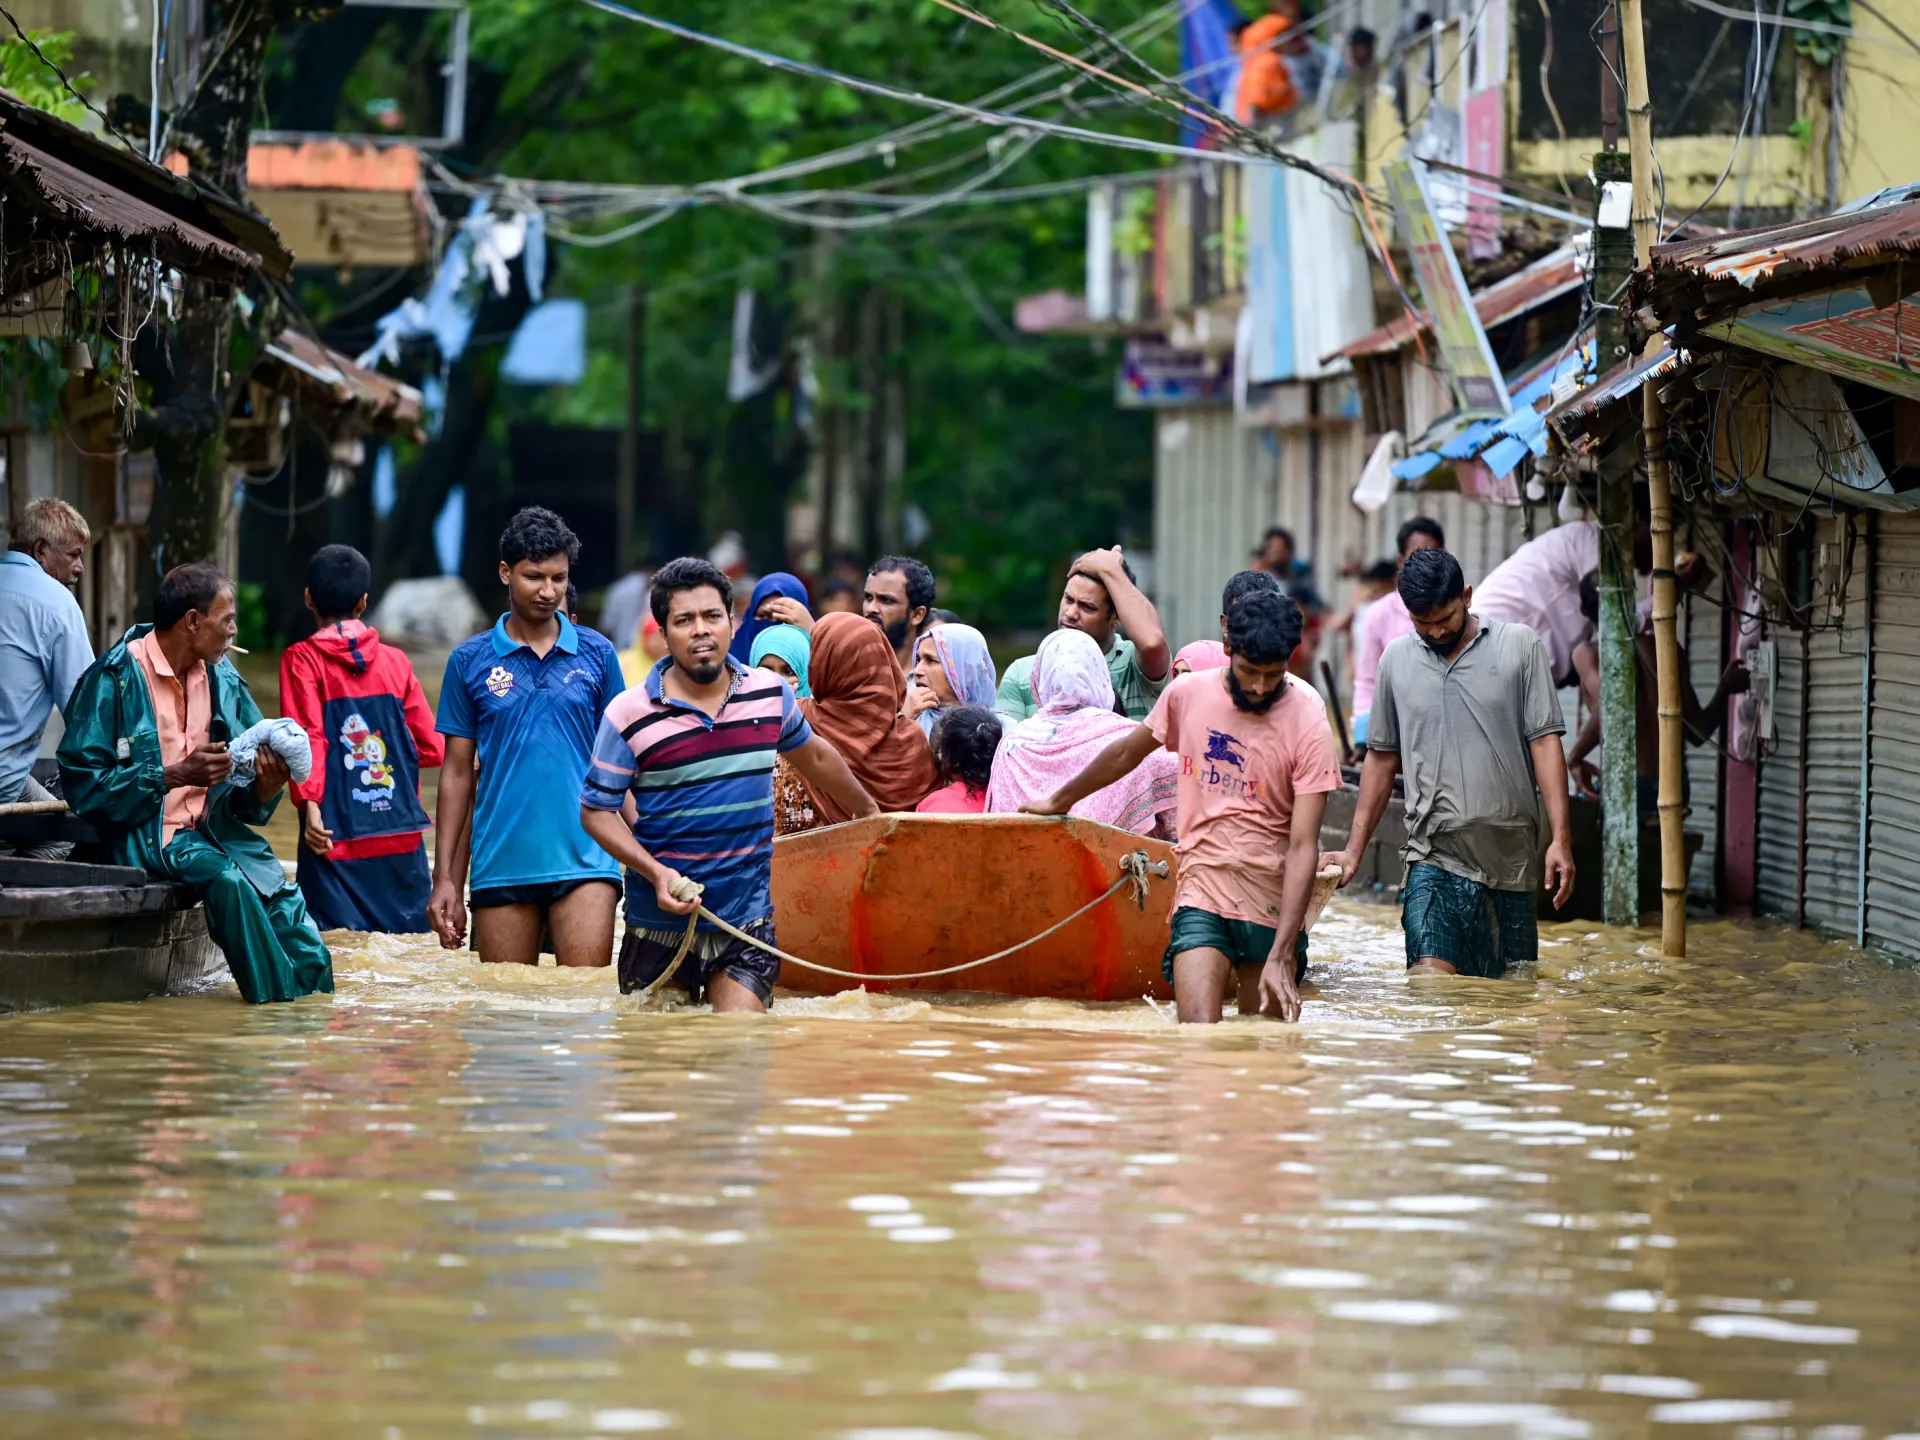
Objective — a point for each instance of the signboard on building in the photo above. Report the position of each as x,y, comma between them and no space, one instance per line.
1471,370
1842,333
1154,373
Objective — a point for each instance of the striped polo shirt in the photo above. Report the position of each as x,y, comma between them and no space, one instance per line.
702,787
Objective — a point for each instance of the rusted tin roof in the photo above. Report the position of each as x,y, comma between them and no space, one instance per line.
333,165
1546,279
383,402
85,186
83,202
1826,242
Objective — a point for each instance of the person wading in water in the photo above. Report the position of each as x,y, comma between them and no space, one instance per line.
693,747
1466,707
1257,759
524,698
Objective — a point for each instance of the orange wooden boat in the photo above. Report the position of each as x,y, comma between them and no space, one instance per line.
903,893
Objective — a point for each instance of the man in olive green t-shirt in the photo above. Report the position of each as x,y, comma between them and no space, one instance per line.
1101,599
1466,711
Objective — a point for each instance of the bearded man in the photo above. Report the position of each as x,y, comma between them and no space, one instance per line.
898,597
1257,760
1466,707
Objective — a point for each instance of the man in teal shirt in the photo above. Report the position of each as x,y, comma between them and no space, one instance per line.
145,761
1101,599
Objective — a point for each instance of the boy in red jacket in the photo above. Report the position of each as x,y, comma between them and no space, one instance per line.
361,864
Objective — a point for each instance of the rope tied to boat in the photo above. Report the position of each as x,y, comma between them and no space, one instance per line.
1137,868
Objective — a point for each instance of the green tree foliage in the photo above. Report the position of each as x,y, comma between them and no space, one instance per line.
1015,450
31,79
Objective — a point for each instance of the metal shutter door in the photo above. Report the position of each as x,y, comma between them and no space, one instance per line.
1893,853
1837,653
1777,858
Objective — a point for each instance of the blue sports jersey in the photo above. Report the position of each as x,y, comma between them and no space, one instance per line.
533,722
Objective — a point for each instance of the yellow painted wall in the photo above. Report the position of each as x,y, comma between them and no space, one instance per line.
1880,114
1691,164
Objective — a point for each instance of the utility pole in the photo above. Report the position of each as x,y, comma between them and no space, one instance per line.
1609,77
1613,485
626,493
1673,861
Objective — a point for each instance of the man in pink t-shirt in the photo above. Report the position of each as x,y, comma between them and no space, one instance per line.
1387,620
1257,760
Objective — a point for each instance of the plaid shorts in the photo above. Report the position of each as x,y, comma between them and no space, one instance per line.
1474,928
645,953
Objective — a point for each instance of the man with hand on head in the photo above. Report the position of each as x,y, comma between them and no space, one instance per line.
694,747
1257,761
1466,709
525,698
1102,600
145,761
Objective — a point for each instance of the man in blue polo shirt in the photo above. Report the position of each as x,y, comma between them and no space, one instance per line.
43,644
693,749
524,700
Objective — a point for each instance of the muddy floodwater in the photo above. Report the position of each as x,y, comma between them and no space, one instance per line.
1613,1196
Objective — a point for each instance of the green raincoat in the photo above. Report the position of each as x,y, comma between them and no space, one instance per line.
112,775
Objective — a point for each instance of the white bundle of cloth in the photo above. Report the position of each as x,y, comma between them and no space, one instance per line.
284,736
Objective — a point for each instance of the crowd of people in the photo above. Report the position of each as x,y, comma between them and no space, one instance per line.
576,773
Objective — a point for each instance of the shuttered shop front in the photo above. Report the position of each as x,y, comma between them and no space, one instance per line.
1893,780
1777,848
1837,653
1213,498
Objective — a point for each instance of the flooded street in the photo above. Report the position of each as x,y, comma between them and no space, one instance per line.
1612,1195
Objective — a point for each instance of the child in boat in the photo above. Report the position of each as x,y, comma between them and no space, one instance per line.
1257,759
964,739
361,862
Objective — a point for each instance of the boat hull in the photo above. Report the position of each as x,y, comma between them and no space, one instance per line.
902,893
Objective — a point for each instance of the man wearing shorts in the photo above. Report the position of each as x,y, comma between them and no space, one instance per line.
694,746
524,699
1466,708
1257,760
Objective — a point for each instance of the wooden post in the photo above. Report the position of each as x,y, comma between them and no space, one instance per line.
626,494
1619,664
1673,860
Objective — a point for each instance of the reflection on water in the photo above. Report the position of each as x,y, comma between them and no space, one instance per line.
1614,1194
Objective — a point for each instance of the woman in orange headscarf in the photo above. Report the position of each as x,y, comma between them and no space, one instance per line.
857,694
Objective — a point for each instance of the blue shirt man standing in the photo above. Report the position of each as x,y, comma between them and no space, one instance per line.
43,642
524,700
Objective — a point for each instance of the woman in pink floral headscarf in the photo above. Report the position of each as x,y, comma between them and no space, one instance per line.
1075,722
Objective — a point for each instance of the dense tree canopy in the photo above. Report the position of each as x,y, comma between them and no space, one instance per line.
1014,448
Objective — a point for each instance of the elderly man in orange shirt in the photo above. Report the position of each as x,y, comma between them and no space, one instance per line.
145,760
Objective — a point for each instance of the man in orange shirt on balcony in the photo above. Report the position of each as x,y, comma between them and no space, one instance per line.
1267,89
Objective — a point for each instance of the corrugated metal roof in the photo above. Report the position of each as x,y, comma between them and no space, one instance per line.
89,205
1748,256
1617,384
98,188
333,165
384,401
1546,279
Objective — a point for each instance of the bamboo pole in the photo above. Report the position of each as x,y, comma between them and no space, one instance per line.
1673,855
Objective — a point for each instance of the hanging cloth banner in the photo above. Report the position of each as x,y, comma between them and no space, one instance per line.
1476,380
